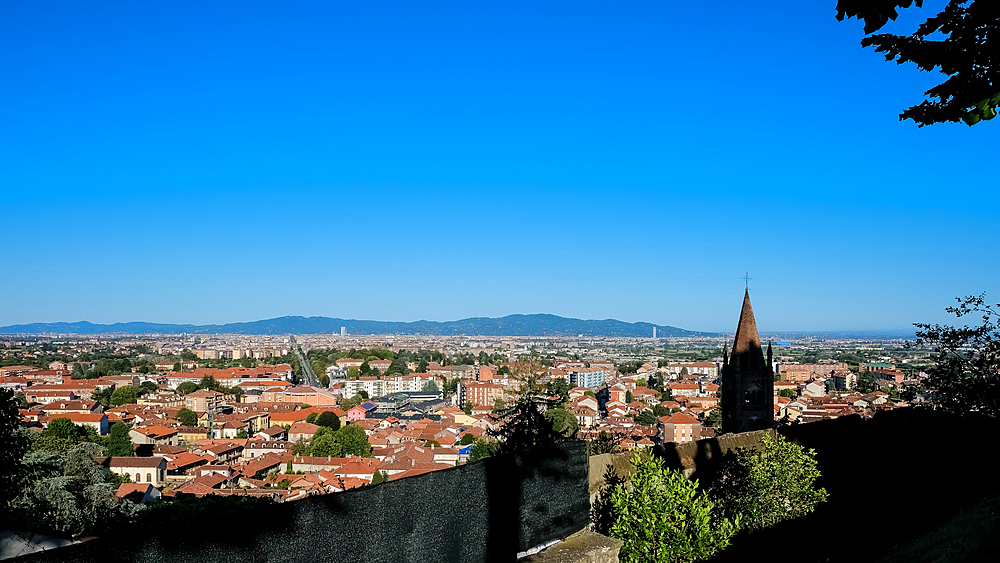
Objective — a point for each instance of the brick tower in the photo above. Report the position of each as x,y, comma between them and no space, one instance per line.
747,378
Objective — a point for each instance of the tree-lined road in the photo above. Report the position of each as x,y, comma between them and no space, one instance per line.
308,376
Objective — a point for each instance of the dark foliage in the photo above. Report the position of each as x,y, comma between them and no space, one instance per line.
328,419
525,426
966,375
15,444
967,53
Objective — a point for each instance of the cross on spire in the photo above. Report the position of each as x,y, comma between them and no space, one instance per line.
747,278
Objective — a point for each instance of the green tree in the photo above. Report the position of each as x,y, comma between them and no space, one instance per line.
422,366
62,428
15,445
311,419
714,418
187,417
187,387
379,477
148,387
123,395
177,366
559,387
965,377
646,418
208,382
328,419
563,422
467,409
866,382
604,444
483,448
499,405
628,397
119,441
959,42
69,494
102,396
430,387
787,393
524,426
354,441
770,485
466,439
326,444
300,447
662,517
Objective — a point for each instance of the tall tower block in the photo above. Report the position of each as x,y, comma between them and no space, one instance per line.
747,378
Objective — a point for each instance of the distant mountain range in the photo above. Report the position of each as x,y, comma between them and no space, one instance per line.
511,325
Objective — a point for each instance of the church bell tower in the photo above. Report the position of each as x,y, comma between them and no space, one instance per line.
747,378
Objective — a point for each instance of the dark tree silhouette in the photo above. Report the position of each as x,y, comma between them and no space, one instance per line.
966,374
15,444
524,425
967,53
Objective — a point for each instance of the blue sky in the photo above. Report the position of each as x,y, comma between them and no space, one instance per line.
184,162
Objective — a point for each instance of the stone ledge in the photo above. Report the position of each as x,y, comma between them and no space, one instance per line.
582,547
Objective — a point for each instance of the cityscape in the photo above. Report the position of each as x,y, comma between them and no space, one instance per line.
476,283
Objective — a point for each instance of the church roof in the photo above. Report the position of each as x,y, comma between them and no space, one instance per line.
747,338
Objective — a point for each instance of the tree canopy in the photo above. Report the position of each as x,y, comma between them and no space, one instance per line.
966,52
119,441
328,419
69,493
15,444
563,422
187,417
770,485
662,517
965,377
524,426
126,394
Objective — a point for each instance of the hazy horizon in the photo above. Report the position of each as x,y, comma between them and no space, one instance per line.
761,330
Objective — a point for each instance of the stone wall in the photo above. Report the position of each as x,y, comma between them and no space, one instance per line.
481,512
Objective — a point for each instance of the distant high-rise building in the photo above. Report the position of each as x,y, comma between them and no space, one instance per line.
654,332
747,378
343,331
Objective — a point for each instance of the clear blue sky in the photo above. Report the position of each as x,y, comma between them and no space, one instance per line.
233,161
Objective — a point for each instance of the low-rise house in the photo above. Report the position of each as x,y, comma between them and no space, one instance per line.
151,470
155,435
679,427
226,452
302,431
258,448
272,433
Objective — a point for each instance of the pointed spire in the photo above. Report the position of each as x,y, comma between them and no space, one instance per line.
746,332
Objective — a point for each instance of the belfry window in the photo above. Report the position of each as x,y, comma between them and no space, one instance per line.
754,395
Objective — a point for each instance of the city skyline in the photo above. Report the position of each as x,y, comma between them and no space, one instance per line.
441,162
